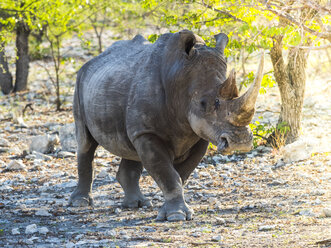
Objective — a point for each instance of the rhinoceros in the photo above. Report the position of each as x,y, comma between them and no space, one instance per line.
157,106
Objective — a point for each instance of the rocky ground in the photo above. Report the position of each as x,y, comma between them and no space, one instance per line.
265,198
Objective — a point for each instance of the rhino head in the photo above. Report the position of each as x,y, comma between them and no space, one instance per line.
215,110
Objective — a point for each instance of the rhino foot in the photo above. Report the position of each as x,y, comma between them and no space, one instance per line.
136,202
175,211
78,199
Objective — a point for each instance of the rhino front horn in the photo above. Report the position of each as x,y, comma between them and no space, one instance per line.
241,110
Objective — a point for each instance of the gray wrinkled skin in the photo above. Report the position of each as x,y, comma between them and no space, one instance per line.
156,106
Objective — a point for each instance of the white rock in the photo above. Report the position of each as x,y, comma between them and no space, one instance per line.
20,122
15,231
64,154
205,174
212,201
267,228
297,151
4,142
43,212
103,173
327,212
318,192
16,165
70,245
29,242
2,164
43,143
43,230
31,229
217,238
38,155
68,138
69,184
307,212
111,233
6,188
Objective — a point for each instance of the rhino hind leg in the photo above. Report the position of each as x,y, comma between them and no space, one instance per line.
82,196
128,176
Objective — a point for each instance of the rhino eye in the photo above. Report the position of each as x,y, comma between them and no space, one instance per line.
217,103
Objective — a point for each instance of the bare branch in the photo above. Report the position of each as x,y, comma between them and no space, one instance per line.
312,48
223,12
287,17
316,6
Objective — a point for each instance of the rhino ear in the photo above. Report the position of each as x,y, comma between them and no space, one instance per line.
229,88
221,41
187,40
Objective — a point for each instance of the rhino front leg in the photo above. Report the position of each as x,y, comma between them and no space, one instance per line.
186,167
82,196
128,176
158,161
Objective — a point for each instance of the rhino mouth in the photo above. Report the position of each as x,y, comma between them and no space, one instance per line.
226,146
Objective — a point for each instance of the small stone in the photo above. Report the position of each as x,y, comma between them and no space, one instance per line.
266,228
196,234
111,233
317,192
38,155
64,154
195,175
103,173
117,211
16,165
69,184
205,174
79,236
277,182
15,231
43,212
29,242
280,163
150,229
307,212
220,221
4,142
70,245
43,230
327,212
31,229
2,164
216,238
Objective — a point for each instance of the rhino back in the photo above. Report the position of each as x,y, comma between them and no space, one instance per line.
103,91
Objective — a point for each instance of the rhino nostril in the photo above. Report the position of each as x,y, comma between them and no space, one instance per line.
223,144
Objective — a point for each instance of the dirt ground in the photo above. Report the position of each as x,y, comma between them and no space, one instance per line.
242,200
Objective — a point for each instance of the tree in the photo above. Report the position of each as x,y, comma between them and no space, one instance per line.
253,24
18,16
6,79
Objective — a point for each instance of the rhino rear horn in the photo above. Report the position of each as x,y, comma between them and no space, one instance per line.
221,41
228,89
187,39
241,110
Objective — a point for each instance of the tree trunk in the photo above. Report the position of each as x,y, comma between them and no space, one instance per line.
22,61
291,80
6,79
